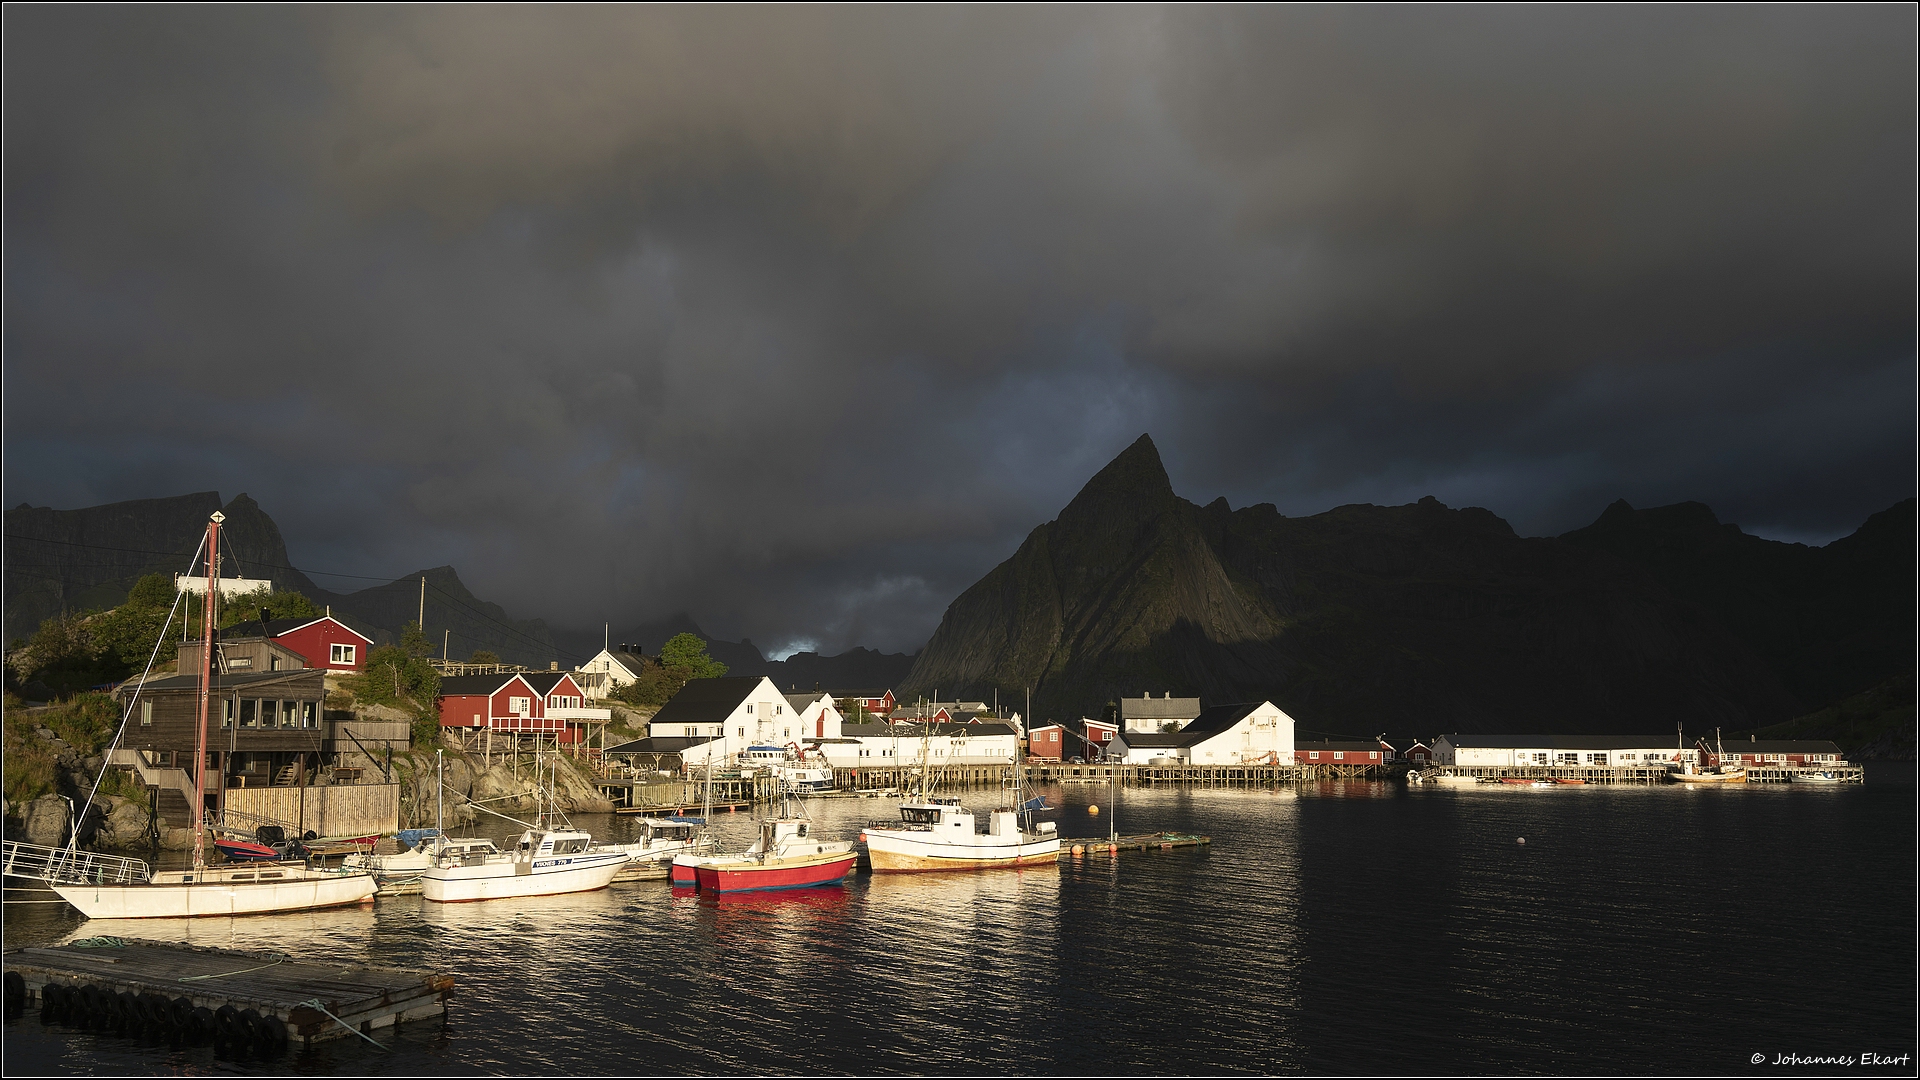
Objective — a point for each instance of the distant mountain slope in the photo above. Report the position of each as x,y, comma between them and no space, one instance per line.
73,560
855,668
456,618
1363,618
1832,621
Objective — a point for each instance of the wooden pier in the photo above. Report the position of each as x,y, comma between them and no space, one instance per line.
250,1002
1844,773
1076,847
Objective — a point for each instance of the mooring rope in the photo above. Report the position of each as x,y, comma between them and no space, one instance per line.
315,1002
280,958
99,943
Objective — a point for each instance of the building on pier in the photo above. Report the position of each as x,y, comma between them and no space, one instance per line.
1533,751
1779,753
1336,752
1222,735
1147,713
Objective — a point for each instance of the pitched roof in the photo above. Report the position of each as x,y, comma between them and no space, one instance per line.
191,681
1561,742
1783,746
866,693
800,702
659,745
279,627
633,662
460,685
1159,708
703,701
544,681
1209,723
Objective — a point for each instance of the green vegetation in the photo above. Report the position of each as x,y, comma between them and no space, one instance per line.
399,676
76,651
682,659
86,724
1876,725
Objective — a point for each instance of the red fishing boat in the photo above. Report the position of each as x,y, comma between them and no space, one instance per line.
784,857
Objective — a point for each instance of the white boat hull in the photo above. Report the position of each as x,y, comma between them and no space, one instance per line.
164,899
506,878
902,851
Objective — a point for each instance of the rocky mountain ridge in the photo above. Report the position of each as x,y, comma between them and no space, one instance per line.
1420,617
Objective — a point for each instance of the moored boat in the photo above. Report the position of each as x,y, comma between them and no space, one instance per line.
935,833
1815,778
544,862
785,856
662,839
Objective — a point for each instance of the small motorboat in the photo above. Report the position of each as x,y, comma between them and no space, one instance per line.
1816,778
1567,780
662,839
1516,780
786,856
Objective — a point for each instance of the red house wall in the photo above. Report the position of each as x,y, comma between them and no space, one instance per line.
1045,743
315,642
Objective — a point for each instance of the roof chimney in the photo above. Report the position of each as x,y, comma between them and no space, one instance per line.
553,665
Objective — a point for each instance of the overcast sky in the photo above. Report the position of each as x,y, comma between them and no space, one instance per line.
799,319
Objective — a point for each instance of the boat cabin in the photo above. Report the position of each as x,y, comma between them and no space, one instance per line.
552,843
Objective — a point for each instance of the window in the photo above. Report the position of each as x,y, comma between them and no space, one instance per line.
779,709
743,731
249,712
289,714
239,663
309,714
749,710
786,733
226,713
341,654
269,713
1313,755
1596,759
520,706
1539,759
146,714
1339,755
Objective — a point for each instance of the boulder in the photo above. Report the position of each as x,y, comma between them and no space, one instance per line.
122,823
44,821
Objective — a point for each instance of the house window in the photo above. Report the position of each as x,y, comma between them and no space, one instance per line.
289,714
249,712
146,714
1339,755
786,732
269,713
1313,755
341,654
309,714
1596,759
226,713
749,710
743,731
1539,759
520,706
779,709
239,663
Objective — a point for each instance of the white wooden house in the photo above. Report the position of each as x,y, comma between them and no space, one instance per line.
1245,733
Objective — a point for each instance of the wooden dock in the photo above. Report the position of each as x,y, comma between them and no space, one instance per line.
1077,847
251,1002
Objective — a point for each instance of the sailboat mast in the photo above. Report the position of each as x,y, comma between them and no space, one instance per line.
207,623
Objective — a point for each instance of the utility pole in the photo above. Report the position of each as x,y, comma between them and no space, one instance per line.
446,637
422,622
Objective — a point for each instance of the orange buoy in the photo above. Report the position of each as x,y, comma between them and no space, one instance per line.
1078,850
1094,809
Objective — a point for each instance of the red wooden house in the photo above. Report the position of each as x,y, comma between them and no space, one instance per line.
1339,753
1779,753
1046,742
859,705
1099,734
325,642
516,703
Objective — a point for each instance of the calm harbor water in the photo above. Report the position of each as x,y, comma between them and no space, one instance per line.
1341,928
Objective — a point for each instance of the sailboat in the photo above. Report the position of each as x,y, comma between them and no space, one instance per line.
112,887
936,833
551,857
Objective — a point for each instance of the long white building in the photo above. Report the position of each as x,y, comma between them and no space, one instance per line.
1518,751
1245,733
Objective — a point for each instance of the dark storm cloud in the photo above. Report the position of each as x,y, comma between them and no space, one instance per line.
799,318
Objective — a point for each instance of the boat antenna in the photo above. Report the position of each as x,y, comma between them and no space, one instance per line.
207,623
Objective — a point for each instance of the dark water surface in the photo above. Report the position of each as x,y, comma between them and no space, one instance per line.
1345,928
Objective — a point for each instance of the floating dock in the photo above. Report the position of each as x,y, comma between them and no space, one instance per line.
254,1002
1077,847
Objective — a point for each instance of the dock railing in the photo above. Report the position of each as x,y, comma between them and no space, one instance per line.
68,866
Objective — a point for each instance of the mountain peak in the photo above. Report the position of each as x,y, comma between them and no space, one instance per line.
1133,485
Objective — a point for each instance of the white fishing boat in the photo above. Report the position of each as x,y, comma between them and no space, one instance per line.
114,887
544,862
548,859
661,841
797,775
1816,778
1693,767
935,833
